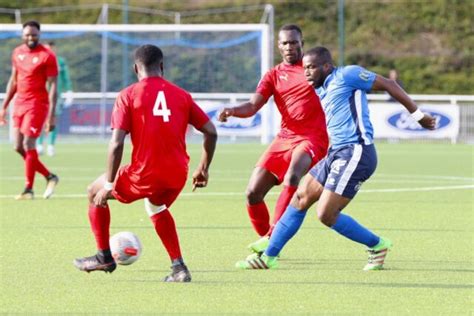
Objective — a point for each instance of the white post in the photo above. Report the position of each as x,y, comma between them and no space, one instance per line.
267,110
103,72
17,16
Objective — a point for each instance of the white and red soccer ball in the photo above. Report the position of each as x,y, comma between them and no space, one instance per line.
126,248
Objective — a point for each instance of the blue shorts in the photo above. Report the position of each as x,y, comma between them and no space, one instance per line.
344,169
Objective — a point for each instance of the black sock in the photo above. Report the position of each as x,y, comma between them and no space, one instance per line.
104,255
177,262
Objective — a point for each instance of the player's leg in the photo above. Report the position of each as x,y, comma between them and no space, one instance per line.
157,208
99,219
30,126
307,194
352,166
300,163
329,212
260,183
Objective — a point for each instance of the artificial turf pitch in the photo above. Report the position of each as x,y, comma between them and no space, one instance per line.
421,197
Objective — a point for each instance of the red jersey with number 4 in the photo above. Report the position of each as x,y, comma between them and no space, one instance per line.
157,113
298,104
33,67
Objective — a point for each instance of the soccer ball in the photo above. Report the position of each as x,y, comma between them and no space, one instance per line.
126,248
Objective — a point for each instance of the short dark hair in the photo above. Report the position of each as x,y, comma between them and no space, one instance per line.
51,43
32,23
323,54
150,56
292,27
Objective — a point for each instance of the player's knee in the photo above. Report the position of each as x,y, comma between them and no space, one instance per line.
326,217
292,179
300,199
90,193
253,196
19,148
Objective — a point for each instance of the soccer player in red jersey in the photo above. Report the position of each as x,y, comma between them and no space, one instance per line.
156,113
33,66
301,142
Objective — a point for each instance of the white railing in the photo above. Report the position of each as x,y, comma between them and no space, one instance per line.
265,124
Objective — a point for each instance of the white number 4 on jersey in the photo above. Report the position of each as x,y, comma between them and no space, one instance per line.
160,108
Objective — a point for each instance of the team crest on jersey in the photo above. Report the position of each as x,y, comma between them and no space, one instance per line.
358,185
364,75
21,57
337,165
35,60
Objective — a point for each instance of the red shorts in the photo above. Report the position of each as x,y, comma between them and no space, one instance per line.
30,122
127,189
276,159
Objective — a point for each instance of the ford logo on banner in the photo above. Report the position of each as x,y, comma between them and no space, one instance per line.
236,122
402,120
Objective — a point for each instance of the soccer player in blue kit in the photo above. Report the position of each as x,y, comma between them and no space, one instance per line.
351,159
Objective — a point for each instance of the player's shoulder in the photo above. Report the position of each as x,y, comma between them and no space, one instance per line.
355,72
19,48
175,89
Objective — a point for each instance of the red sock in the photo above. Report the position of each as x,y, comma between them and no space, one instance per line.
41,168
99,218
166,230
30,167
282,203
259,217
39,165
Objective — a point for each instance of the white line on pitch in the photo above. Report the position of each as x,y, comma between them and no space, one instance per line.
202,194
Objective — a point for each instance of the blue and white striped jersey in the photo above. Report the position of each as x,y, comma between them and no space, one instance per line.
344,100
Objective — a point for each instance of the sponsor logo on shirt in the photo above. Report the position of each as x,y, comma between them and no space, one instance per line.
364,75
21,57
35,60
284,76
33,129
403,121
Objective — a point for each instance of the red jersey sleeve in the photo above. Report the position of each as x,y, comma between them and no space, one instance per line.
121,116
266,87
197,117
52,68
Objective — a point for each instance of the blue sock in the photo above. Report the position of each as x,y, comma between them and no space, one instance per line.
348,227
286,228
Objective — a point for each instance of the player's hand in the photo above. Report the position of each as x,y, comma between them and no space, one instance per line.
200,177
225,113
428,122
102,196
3,114
51,124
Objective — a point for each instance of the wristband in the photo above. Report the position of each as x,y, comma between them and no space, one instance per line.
417,115
108,186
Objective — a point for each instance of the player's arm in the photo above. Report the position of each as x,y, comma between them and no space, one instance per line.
9,93
52,83
246,109
201,174
114,158
394,89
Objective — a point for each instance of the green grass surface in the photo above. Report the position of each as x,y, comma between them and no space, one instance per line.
421,197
